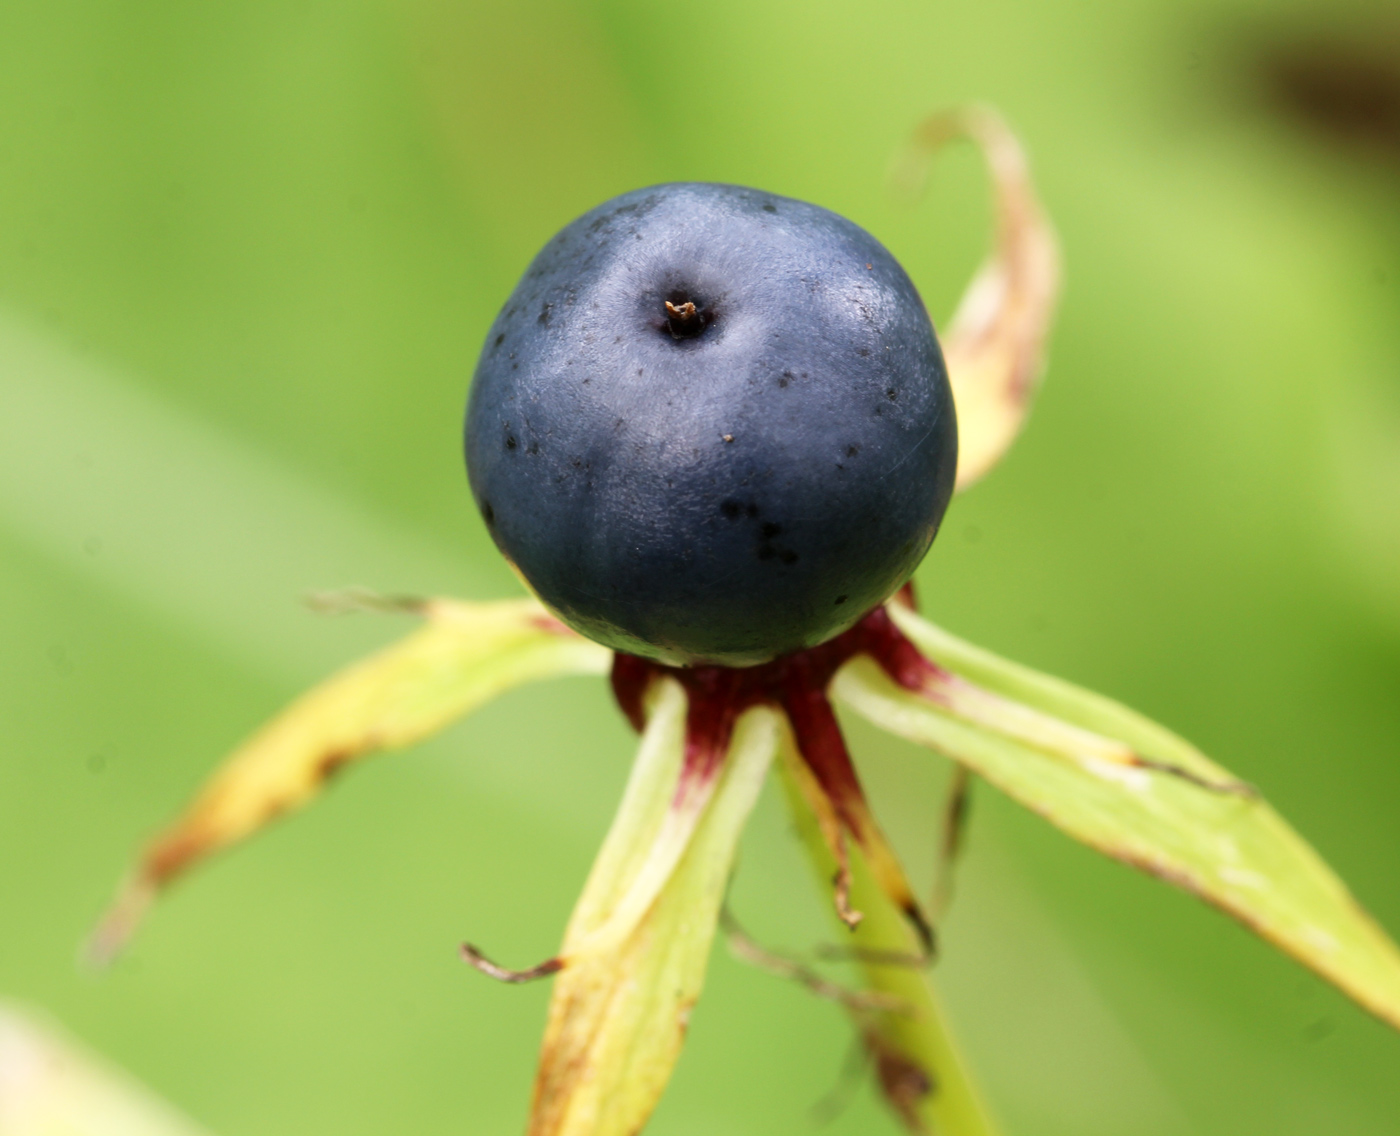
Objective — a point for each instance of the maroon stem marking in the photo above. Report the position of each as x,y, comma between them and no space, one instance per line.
822,745
797,683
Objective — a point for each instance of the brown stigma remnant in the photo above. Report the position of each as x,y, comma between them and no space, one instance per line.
684,319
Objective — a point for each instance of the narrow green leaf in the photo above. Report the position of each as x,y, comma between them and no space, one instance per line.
1104,775
464,655
632,969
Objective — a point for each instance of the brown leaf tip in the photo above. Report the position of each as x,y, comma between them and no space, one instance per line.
345,600
474,957
118,923
841,894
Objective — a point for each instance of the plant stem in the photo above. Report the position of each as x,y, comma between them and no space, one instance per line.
920,1069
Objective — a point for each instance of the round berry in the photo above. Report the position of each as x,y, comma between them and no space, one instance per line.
712,425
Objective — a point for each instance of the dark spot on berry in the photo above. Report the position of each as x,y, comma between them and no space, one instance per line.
488,514
544,314
770,530
841,599
511,442
864,351
891,394
852,450
731,509
500,339
769,207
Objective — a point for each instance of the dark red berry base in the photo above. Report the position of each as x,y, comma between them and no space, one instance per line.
797,684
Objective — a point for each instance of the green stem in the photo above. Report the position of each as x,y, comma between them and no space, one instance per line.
921,1071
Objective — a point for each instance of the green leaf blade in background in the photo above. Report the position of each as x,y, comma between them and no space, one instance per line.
1228,848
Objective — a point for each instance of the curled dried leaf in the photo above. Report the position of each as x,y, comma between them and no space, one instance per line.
994,345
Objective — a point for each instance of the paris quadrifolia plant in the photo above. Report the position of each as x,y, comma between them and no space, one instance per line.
714,433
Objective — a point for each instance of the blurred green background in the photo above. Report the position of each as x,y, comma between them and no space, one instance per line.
248,253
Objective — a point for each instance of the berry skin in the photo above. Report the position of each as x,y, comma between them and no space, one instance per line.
712,425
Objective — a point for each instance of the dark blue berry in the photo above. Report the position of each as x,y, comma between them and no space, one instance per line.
712,425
